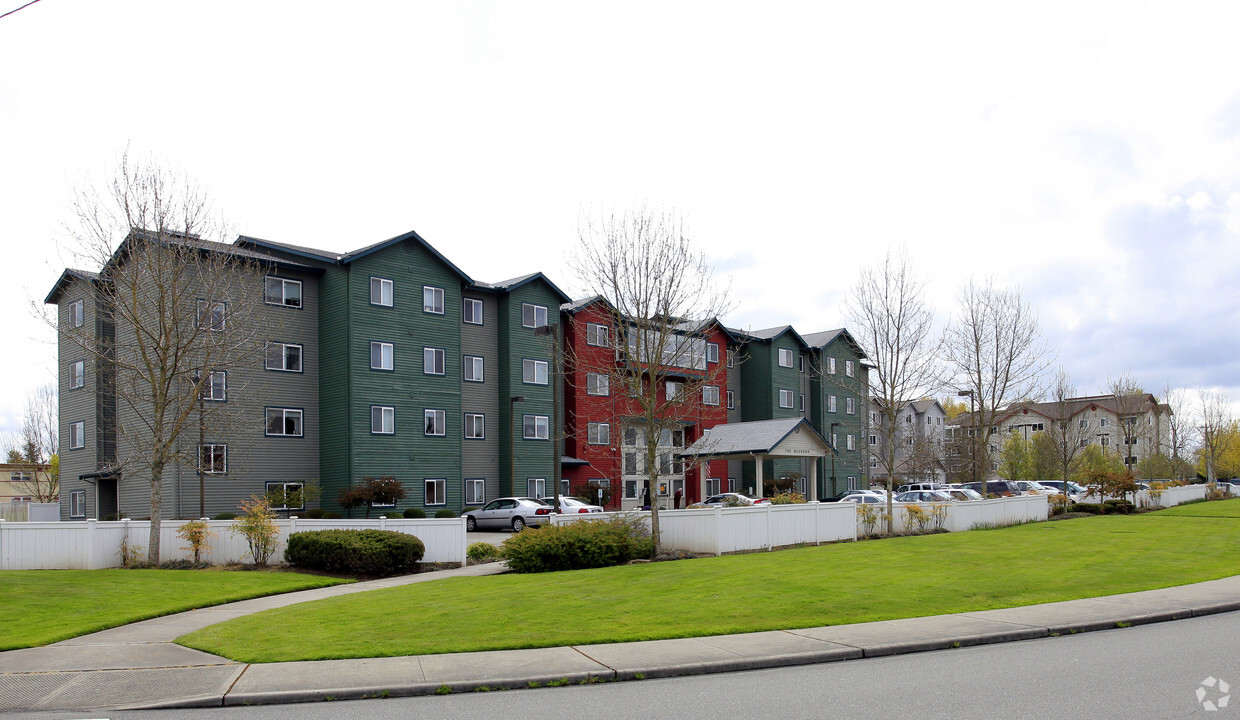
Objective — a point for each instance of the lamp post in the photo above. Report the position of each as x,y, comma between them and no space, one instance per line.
831,431
512,443
972,439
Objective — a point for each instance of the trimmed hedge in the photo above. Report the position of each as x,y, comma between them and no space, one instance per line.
415,513
444,513
575,546
357,552
482,551
1117,507
1091,508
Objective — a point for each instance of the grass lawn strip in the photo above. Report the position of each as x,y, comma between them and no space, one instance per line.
807,587
46,606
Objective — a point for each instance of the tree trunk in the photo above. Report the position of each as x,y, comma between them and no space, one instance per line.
157,499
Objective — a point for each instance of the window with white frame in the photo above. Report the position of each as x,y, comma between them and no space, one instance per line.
77,435
673,390
598,384
77,504
286,495
873,417
874,461
731,359
850,406
432,300
213,458
533,316
731,400
785,399
471,311
873,440
830,366
536,487
596,335
851,442
1103,422
77,374
801,363
475,426
1104,440
598,433
281,291
535,427
283,356
211,315
801,402
381,291
630,489
712,486
852,482
835,441
712,352
785,357
382,420
849,368
432,361
473,368
435,422
534,372
215,389
76,314
285,422
830,403
381,356
475,491
710,395
434,491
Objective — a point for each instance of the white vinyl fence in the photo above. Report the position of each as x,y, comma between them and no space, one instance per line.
92,544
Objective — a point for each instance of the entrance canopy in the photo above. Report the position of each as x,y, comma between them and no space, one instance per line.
762,440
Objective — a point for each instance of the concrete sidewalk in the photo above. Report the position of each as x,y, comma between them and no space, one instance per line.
138,666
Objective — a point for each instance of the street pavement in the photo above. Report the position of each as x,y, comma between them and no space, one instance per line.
138,666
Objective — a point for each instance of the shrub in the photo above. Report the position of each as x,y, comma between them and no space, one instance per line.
788,498
357,552
1090,508
482,551
332,515
225,516
444,513
577,545
1117,507
257,524
415,513
196,533
314,514
915,514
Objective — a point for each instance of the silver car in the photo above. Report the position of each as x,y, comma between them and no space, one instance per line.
572,505
510,512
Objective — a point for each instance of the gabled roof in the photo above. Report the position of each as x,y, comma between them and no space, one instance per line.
577,306
307,252
770,334
66,277
517,282
746,438
820,340
411,235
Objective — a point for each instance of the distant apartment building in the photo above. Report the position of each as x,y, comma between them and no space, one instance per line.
919,433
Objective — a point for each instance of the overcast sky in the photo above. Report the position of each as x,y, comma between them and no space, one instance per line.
1088,152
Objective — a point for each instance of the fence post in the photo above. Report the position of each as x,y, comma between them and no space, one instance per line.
2,521
383,522
770,544
718,531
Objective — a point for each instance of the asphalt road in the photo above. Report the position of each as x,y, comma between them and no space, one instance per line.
1150,671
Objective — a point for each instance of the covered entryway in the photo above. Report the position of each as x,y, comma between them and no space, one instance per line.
759,441
107,493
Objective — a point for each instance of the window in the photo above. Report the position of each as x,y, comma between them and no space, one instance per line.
630,489
1104,440
76,315
283,356
536,487
213,458
475,491
835,441
77,435
1083,423
673,390
785,398
533,316
77,374
873,417
435,491
286,495
873,440
77,503
284,422
851,441
475,426
435,422
381,356
801,361
282,292
1103,422
849,368
215,389
830,403
712,486
785,357
471,311
596,335
382,420
710,395
852,482
598,384
874,460
535,427
801,401
598,433
432,361
381,291
850,406
731,400
731,359
534,372
830,366
473,368
211,315
432,300
712,352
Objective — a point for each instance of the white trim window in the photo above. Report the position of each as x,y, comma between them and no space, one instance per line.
285,357
77,374
473,370
215,389
471,311
213,458
712,353
77,316
475,491
533,316
435,422
536,487
382,356
534,372
710,395
432,361
284,422
851,441
432,300
785,357
382,420
77,435
873,440
831,403
674,390
475,426
830,366
597,335
850,406
598,384
434,491
598,433
712,486
801,363
210,316
382,292
731,404
850,368
731,363
535,427
286,495
282,291
785,399
77,504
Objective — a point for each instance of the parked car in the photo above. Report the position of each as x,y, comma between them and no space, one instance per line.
509,512
1075,492
962,494
924,496
845,495
572,505
729,499
1030,486
911,487
867,497
995,488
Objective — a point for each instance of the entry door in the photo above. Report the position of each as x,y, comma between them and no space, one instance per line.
106,500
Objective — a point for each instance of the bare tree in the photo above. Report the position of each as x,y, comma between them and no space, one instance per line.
179,310
38,444
1217,428
1066,430
994,351
891,318
1180,431
1132,402
663,301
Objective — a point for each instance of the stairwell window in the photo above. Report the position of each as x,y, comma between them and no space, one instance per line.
432,300
785,357
533,316
381,292
785,399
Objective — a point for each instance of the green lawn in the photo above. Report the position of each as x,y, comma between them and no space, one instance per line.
827,585
45,606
